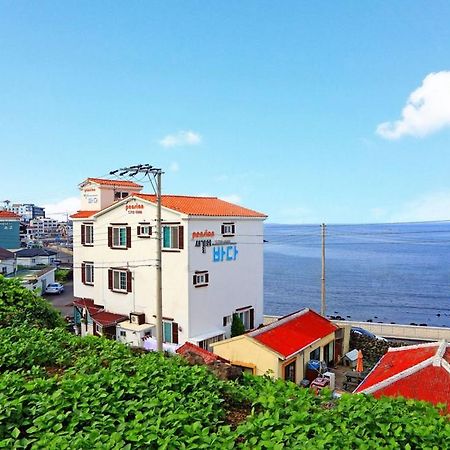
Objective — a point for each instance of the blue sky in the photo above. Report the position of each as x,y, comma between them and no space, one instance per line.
274,105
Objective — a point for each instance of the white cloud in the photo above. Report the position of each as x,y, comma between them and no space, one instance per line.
232,198
427,109
174,167
61,209
181,139
432,206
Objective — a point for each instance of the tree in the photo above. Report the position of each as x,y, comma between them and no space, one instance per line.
19,306
237,326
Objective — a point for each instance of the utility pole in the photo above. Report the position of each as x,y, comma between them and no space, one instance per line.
323,303
152,172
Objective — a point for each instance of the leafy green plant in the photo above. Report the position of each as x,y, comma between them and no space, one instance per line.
237,326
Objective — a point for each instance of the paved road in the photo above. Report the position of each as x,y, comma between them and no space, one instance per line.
63,302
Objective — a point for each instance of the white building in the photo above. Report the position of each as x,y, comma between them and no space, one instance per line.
27,211
7,262
42,227
212,264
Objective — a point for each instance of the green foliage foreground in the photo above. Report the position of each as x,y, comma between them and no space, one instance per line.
59,391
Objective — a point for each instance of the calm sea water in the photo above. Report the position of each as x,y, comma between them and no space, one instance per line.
389,273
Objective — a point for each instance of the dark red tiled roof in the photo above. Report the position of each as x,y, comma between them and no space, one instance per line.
88,303
9,215
105,318
420,372
207,356
292,333
202,206
6,254
119,183
83,214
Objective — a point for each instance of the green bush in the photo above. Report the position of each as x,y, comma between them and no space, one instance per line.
237,326
20,306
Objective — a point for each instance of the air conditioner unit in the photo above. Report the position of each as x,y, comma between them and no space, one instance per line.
137,318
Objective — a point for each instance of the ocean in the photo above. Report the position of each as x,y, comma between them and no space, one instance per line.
384,273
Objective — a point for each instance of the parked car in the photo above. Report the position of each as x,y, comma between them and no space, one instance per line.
367,333
54,288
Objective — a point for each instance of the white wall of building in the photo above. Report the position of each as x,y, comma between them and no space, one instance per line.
233,283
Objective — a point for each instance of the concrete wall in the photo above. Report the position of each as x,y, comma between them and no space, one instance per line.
243,349
400,331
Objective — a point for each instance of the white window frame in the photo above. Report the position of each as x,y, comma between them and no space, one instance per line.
117,236
122,333
121,279
89,273
174,240
244,315
88,234
168,323
144,230
201,279
98,328
206,343
228,229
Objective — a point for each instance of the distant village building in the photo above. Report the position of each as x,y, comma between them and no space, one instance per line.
26,211
30,257
212,264
7,262
283,348
43,228
420,372
9,230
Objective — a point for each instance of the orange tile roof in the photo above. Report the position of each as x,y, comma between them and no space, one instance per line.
83,214
8,215
121,183
202,206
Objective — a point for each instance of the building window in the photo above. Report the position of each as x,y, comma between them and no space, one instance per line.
144,230
226,321
315,354
119,237
119,280
228,229
123,333
98,328
201,279
87,273
120,195
289,372
247,315
170,332
206,344
87,234
172,237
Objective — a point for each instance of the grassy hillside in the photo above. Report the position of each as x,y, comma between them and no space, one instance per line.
60,391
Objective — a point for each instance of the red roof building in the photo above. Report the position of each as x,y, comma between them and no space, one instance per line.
284,348
420,372
8,215
206,355
295,332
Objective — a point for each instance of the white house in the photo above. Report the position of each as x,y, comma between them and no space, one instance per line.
212,264
7,262
29,257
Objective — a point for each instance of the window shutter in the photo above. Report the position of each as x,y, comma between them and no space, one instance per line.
180,237
206,277
128,237
222,229
174,333
194,280
110,279
110,237
150,230
83,234
129,287
83,273
139,230
224,321
252,318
